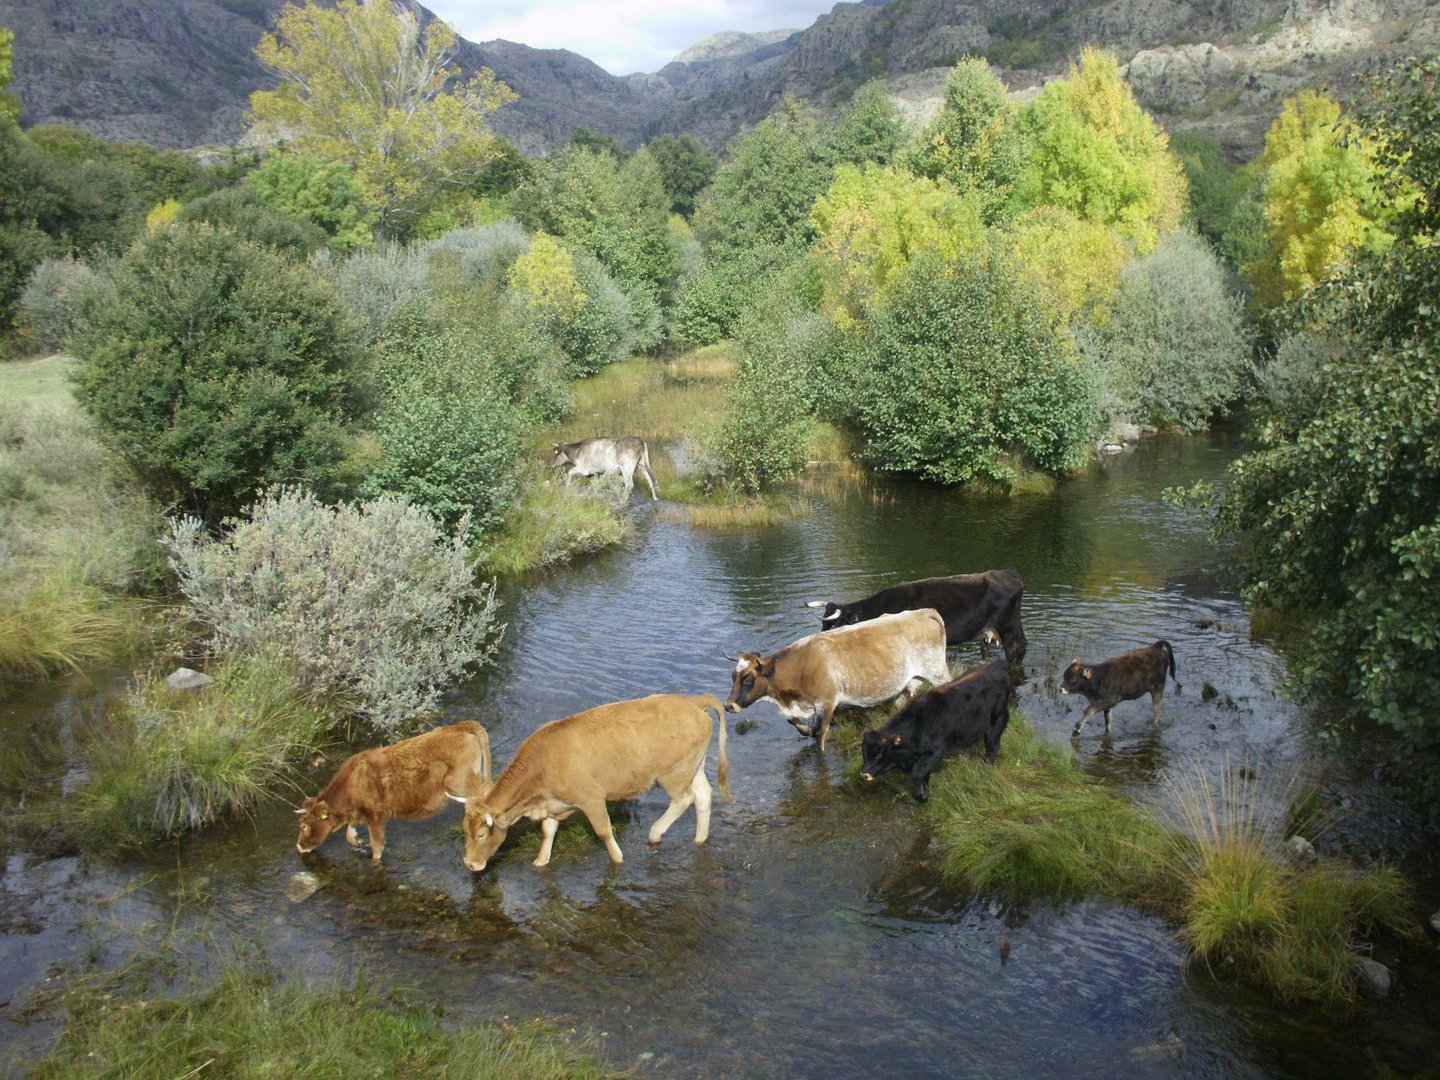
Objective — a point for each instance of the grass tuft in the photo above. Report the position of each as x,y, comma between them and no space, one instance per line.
250,1024
553,523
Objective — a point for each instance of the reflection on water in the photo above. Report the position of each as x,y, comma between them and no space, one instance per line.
810,936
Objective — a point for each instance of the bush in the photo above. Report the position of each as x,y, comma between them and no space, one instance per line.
447,430
485,252
601,330
762,441
245,212
961,378
711,298
375,284
370,603
323,193
61,297
1175,347
219,367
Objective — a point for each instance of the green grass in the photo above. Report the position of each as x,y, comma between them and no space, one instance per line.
552,524
76,537
1032,826
250,1024
162,762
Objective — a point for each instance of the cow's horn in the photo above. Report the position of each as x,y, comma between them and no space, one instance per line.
831,617
816,603
301,810
732,659
489,822
461,799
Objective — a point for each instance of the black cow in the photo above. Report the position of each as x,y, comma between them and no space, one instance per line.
1121,678
952,716
970,604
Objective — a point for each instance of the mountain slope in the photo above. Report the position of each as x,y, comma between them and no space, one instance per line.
179,72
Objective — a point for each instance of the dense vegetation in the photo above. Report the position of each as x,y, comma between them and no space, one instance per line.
330,370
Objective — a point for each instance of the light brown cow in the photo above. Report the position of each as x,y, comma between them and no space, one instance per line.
407,780
615,751
864,664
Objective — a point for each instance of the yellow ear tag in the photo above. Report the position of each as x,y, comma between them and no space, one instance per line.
324,817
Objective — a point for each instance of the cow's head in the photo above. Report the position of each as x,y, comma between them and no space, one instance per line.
834,614
1077,678
750,681
881,751
483,832
561,455
317,822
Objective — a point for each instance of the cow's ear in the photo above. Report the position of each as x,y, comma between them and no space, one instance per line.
1089,673
767,669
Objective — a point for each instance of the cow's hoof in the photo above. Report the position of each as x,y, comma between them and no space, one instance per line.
808,732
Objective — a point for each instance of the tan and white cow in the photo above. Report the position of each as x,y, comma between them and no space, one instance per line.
408,780
864,664
615,751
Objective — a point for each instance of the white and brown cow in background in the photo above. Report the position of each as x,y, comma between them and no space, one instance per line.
626,455
615,751
864,664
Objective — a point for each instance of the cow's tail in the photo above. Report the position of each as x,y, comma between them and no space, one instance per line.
1170,653
722,768
483,738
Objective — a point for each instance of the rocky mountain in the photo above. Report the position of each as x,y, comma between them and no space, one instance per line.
179,72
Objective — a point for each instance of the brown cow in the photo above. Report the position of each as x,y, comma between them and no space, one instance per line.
407,780
864,664
615,751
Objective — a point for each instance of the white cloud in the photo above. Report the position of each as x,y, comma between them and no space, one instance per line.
622,37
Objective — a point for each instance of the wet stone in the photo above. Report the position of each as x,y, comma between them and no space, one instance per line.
301,886
1374,977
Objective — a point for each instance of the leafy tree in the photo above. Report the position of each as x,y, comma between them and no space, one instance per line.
1323,202
962,378
588,139
869,129
367,85
1174,347
220,367
873,222
9,104
1340,505
976,142
685,169
545,277
324,193
1075,265
1095,152
763,192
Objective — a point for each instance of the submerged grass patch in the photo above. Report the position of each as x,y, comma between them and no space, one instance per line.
250,1024
1034,826
164,762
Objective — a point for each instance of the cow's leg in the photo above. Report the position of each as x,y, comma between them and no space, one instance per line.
570,475
679,803
649,478
548,825
375,826
1085,718
701,789
1157,698
599,818
825,723
996,729
351,836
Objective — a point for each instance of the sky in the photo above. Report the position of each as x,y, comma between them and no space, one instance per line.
622,36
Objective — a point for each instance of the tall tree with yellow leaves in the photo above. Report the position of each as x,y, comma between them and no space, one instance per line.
367,84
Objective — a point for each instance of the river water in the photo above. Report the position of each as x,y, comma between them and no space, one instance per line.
809,937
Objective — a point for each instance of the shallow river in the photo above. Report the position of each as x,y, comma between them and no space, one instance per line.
809,938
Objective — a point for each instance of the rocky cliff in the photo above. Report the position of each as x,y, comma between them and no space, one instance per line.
179,72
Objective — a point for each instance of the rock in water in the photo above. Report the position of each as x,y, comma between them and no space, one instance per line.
185,678
1301,850
1374,977
301,886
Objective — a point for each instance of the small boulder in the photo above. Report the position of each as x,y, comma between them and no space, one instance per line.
1435,922
1127,432
1300,849
1111,448
301,886
187,679
1374,977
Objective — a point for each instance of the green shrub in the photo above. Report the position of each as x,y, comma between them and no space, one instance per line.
551,524
323,193
62,296
447,430
245,212
219,367
601,331
376,283
370,603
710,300
1175,347
961,377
